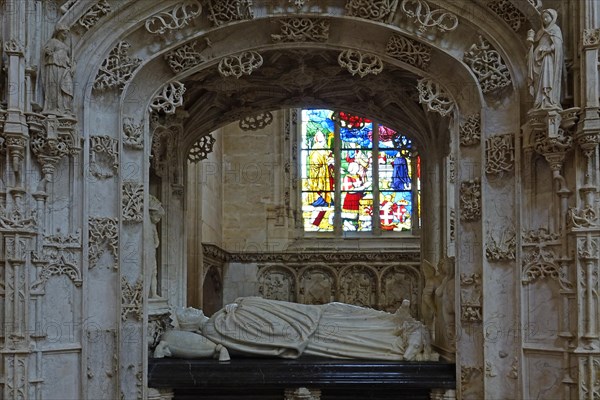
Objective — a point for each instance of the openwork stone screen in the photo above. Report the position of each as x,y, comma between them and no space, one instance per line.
357,175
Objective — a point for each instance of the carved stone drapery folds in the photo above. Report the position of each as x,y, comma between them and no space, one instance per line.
93,14
132,207
104,156
470,200
302,30
169,98
422,14
470,298
409,51
487,65
176,18
509,13
359,63
225,11
117,69
499,154
103,235
240,64
434,97
374,10
201,148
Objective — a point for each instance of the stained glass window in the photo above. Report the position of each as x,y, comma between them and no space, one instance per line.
357,175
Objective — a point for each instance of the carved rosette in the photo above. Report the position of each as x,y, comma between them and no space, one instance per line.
117,69
470,200
132,198
240,64
104,156
302,30
421,13
93,14
409,51
169,98
470,298
499,154
132,299
51,139
470,131
374,10
508,12
487,65
256,122
201,148
225,11
176,18
186,56
103,236
359,63
434,97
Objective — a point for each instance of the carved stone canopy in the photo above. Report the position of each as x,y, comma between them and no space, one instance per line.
307,78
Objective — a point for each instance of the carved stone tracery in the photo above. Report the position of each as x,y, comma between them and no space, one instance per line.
60,256
241,64
169,98
487,65
374,10
359,63
186,56
409,51
422,14
93,14
256,122
103,235
500,154
470,130
509,13
470,200
176,18
225,11
201,148
434,97
302,30
117,69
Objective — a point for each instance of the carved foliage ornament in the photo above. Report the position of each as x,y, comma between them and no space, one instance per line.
470,200
470,298
360,63
103,234
434,97
500,154
508,12
202,148
170,97
470,130
503,248
132,299
104,156
302,30
591,37
256,122
185,57
117,69
225,11
488,66
409,51
132,134
93,14
176,18
132,202
374,10
425,17
241,64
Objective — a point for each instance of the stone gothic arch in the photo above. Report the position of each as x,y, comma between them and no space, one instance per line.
462,72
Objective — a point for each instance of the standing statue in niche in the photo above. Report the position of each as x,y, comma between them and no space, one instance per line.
156,213
545,63
58,78
272,328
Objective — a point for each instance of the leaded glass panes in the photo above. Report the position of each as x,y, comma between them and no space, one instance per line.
340,178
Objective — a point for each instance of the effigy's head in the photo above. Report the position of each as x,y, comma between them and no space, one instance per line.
190,318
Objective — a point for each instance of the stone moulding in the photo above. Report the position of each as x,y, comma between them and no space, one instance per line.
176,18
409,51
302,30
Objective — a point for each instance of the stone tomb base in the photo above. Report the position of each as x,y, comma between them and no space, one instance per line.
265,379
